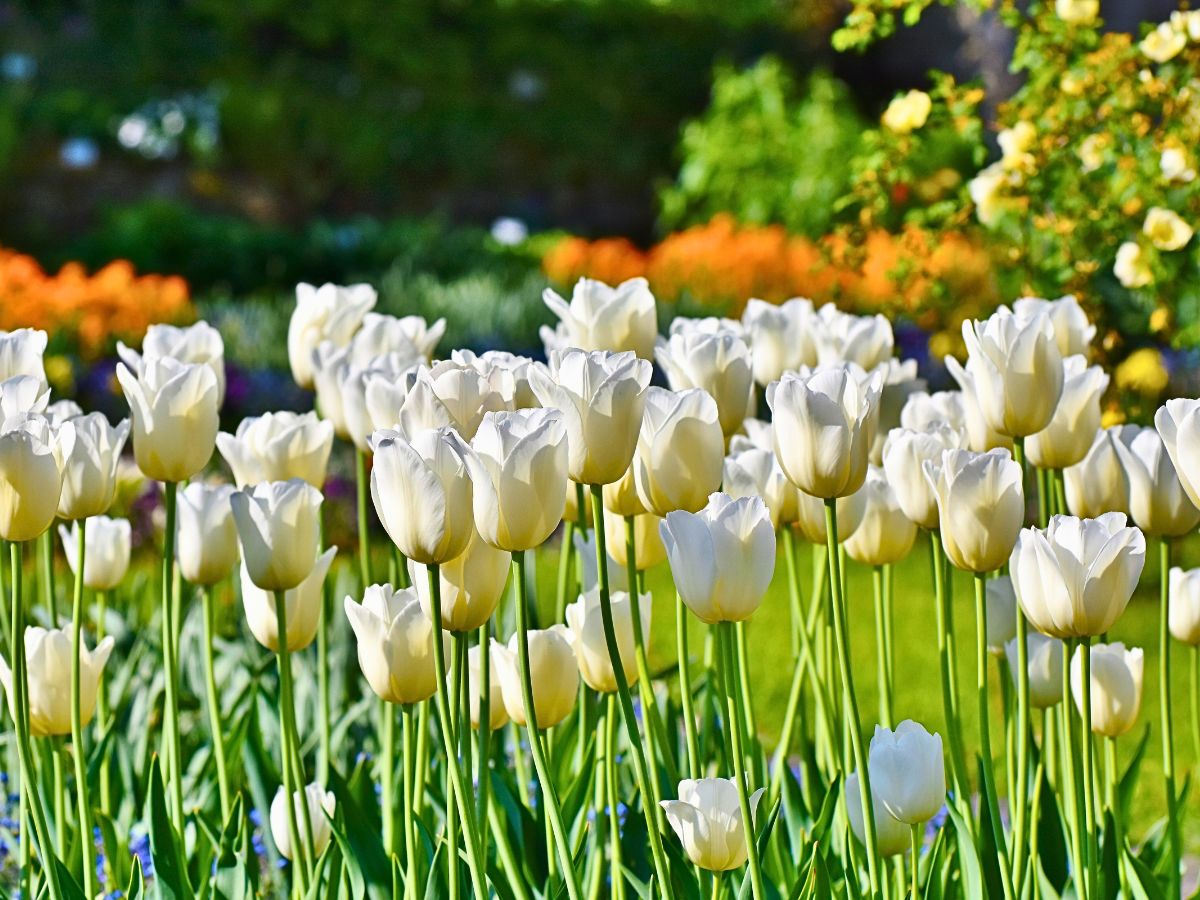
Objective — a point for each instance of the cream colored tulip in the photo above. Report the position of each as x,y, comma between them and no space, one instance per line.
303,607
206,546
1098,484
600,317
278,524
1018,371
1074,578
395,638
198,344
1156,499
1183,616
908,771
621,496
780,337
907,112
905,453
518,467
497,714
585,553
585,631
754,472
718,363
1178,423
810,517
48,671
885,535
707,818
1045,657
505,371
106,554
21,353
722,558
892,837
571,511
277,446
900,381
90,469
922,411
472,584
422,493
31,474
552,669
648,545
1116,687
841,338
450,395
321,807
328,313
981,506
688,325
1072,331
1165,228
981,437
409,336
341,386
57,412
680,451
824,424
1001,613
23,394
175,421
601,396
1072,429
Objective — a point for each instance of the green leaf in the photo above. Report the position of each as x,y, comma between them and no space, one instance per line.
1110,855
1128,784
170,874
1051,839
970,870
137,885
1142,883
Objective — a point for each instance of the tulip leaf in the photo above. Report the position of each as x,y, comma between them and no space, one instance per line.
231,879
969,868
435,887
170,875
1142,883
1051,839
136,885
1128,784
761,841
1110,855
933,881
359,835
116,854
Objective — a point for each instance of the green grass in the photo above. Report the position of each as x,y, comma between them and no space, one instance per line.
917,693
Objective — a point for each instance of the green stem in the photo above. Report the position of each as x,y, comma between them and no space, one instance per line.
451,728
45,555
474,862
730,664
842,646
888,642
387,779
324,724
1089,800
958,759
1069,781
102,710
293,779
885,702
985,739
716,885
1021,836
641,772
610,778
214,701
171,658
77,744
54,751
410,827
916,861
685,687
1194,653
485,733
566,553
362,491
1168,724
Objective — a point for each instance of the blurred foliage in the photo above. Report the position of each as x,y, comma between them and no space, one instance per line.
766,151
871,20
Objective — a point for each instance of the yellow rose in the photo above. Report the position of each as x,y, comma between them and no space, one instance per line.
1077,12
908,112
1166,230
1163,43
1131,266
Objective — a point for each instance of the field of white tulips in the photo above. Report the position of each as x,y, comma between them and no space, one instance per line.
879,661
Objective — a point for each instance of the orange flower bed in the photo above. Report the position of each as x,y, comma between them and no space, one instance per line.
95,310
935,280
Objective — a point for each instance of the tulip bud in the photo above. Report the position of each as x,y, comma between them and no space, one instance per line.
328,313
1183,616
472,584
198,344
600,317
841,338
585,551
908,771
925,412
981,436
1072,429
585,631
601,396
1072,331
1178,422
1045,658
722,557
206,546
518,467
754,472
497,714
981,506
1018,371
21,352
647,541
23,394
90,469
1116,687
824,424
174,407
1157,502
278,446
31,464
1098,483
780,337
885,535
718,363
905,453
422,493
1001,612
892,836
1074,578
707,818
278,524
449,395
106,555
48,668
395,643
303,607
553,670
620,497
810,516
321,807
680,451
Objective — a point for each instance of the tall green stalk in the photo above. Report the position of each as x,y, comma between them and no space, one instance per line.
410,827
484,734
387,779
1091,849
216,731
1168,725
611,796
640,769
881,653
83,805
1067,776
361,493
171,658
735,716
102,710
293,777
842,641
945,637
685,688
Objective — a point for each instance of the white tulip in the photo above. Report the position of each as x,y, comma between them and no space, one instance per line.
1001,609
754,472
277,446
585,550
451,395
198,344
175,416
585,631
1072,429
497,714
680,450
328,313
411,337
707,818
780,337
923,411
472,584
57,412
206,546
505,371
1183,615
395,643
810,516
1018,371
892,836
1098,484
24,394
1116,687
1045,657
981,506
1072,330
718,363
278,524
31,474
981,436
620,497
900,381
48,672
321,807
21,353
885,535
908,771
1178,422
648,548
841,338
341,386
90,469
905,453
600,317
1157,501
303,607
552,669
106,553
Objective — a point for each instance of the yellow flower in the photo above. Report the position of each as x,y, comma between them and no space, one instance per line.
1143,372
1091,153
1114,415
1163,43
1166,230
1077,12
908,112
987,192
1131,267
1015,143
60,374
1160,319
